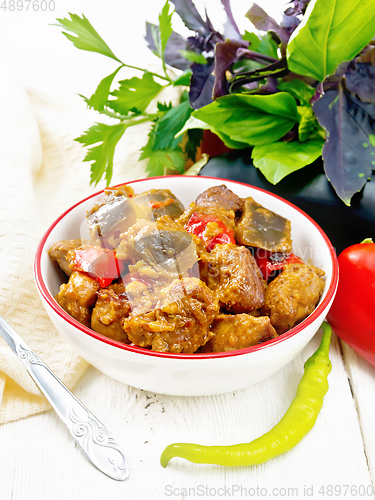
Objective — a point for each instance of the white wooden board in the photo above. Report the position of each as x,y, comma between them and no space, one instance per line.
38,459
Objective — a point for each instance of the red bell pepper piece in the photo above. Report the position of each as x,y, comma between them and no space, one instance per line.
197,225
99,263
269,262
352,313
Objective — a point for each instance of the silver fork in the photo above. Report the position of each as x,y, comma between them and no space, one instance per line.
96,442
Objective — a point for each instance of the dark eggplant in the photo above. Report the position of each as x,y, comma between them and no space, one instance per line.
309,190
169,204
161,247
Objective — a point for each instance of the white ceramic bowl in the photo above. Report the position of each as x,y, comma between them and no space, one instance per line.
189,374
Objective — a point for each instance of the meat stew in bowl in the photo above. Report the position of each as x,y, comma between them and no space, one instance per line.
217,276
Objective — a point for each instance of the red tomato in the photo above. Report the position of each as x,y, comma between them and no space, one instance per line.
197,225
99,263
268,263
352,312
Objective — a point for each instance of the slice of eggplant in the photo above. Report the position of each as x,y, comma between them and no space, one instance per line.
310,190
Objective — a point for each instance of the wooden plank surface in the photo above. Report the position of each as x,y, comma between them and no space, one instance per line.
39,460
362,381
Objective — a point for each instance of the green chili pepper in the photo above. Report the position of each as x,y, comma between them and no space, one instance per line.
292,428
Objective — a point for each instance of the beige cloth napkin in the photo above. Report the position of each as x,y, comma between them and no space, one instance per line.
42,174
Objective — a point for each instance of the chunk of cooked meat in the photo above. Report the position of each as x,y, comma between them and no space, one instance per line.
142,296
231,272
220,196
180,321
261,228
160,250
78,296
226,216
293,295
59,252
238,331
111,306
162,202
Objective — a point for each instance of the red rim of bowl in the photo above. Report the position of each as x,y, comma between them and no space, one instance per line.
140,350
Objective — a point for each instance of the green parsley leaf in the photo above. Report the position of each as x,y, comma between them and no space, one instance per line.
184,96
87,37
134,94
183,79
165,28
160,161
147,149
169,125
86,99
100,97
101,155
193,56
163,106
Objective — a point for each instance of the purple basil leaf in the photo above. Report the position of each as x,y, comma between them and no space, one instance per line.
225,56
199,43
201,84
368,54
333,81
290,23
349,152
270,87
291,135
255,56
251,86
319,92
277,69
299,7
152,31
172,54
191,17
209,24
263,22
360,80
175,43
231,33
230,27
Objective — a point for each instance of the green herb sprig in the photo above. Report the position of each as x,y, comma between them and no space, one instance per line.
302,89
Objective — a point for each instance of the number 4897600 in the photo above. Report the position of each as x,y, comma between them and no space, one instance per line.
27,5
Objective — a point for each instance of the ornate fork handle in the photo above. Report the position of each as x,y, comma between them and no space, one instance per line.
96,442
